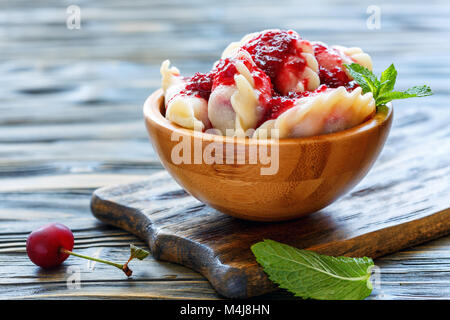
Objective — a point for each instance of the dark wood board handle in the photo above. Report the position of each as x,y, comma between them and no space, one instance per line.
182,230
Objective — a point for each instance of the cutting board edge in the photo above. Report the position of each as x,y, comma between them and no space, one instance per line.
234,282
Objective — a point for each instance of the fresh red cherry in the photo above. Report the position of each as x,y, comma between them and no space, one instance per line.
51,244
44,245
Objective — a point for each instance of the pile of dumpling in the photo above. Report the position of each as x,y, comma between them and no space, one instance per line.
270,80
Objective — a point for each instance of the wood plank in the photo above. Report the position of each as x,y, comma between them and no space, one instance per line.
197,289
181,229
52,77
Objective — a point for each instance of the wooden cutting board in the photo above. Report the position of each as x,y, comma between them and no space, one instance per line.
374,220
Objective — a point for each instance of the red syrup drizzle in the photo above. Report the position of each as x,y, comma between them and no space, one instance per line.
279,104
223,73
271,50
225,70
335,75
199,85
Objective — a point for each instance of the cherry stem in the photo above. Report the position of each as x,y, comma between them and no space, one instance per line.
123,267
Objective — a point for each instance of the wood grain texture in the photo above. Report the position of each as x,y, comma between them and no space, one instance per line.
71,121
179,228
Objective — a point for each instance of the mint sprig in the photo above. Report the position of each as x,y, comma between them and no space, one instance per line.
311,275
382,89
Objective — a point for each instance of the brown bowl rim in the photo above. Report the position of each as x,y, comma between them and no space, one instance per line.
152,113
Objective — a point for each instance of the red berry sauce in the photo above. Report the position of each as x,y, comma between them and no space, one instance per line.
333,78
223,73
273,52
199,85
225,70
331,70
279,104
272,48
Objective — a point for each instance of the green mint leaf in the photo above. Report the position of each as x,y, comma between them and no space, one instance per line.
387,79
311,275
382,89
417,91
364,77
137,252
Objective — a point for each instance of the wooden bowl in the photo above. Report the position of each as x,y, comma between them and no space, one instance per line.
313,171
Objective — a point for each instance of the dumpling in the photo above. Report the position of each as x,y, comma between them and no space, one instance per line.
286,58
331,62
186,104
271,79
171,82
299,72
330,111
239,93
355,55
